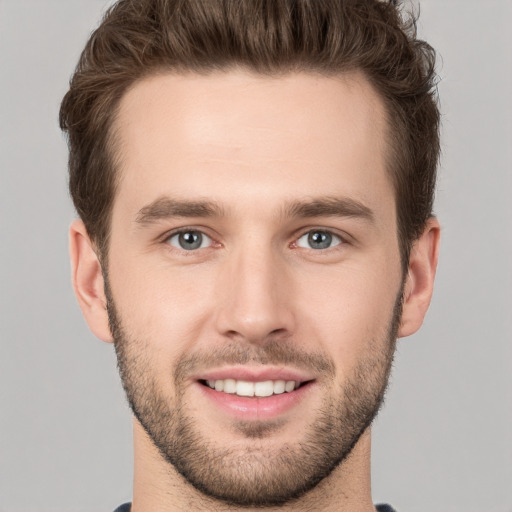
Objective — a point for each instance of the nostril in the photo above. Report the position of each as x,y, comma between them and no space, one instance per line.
281,332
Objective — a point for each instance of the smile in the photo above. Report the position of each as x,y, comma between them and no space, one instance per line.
250,389
255,393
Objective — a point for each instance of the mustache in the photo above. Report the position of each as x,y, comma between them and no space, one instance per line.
274,352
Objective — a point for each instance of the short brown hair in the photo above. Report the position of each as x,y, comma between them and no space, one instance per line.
137,38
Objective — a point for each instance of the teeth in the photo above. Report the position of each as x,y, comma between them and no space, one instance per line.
230,386
246,388
289,386
264,388
280,386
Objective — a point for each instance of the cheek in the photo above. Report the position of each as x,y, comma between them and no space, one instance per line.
162,306
349,311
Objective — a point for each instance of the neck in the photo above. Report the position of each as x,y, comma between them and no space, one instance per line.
158,486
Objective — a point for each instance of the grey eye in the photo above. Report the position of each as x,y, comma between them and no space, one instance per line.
318,239
189,240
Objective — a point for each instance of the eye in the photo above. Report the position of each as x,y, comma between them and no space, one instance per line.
189,240
318,239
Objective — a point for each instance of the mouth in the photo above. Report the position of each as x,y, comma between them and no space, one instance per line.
259,389
250,394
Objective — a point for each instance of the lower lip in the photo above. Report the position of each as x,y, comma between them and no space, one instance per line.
256,408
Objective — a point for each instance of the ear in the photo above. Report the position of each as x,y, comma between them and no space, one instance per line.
419,283
88,281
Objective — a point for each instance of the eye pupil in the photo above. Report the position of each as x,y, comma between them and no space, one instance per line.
190,240
319,239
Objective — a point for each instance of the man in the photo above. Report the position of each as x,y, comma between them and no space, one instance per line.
255,184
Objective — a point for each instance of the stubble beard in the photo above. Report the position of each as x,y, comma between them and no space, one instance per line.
261,474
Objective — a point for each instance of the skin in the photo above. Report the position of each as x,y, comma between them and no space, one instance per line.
253,145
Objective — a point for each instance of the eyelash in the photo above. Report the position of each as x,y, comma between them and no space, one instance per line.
333,236
342,239
176,233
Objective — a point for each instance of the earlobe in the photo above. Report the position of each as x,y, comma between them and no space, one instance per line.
419,283
87,280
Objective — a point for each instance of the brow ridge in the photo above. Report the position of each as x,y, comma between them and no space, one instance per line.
166,207
329,207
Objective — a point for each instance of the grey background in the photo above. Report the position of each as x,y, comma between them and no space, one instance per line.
444,440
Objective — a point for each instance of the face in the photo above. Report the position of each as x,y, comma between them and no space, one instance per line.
254,279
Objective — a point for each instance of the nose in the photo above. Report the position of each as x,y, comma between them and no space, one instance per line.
255,301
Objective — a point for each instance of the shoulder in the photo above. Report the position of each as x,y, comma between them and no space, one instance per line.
124,508
384,508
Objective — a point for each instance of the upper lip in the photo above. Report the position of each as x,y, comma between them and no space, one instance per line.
256,374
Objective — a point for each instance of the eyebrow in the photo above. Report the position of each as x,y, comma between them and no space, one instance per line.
166,207
329,207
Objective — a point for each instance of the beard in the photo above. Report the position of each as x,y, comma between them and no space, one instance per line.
260,473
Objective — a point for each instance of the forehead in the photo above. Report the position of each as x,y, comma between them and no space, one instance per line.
236,134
